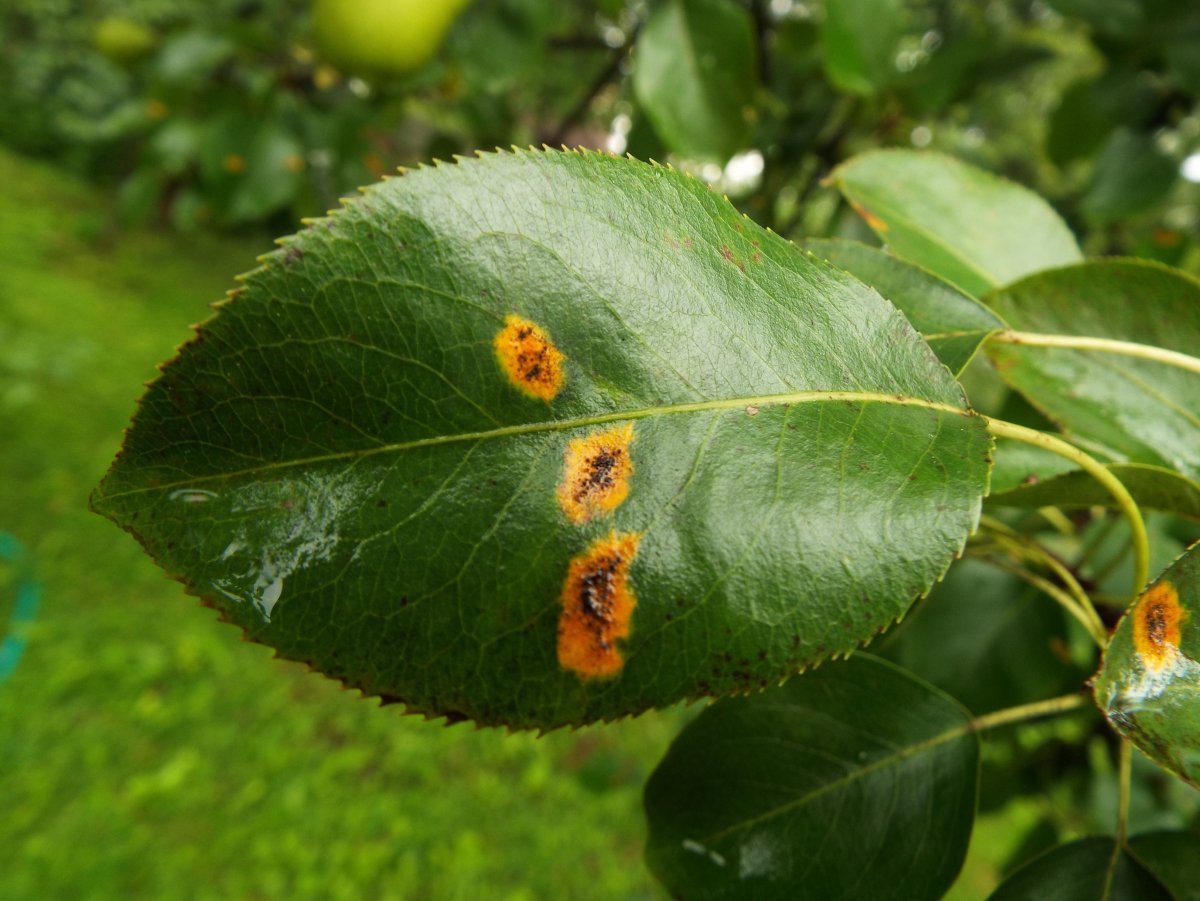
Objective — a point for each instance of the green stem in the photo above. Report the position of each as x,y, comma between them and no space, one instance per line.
1124,783
1068,603
1101,473
1105,345
1023,712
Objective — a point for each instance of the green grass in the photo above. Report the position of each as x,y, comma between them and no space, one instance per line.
144,750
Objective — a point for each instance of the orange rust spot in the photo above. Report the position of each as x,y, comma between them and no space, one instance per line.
529,359
597,606
870,218
596,471
1156,621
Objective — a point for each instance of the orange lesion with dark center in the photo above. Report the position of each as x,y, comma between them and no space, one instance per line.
597,606
596,471
1157,619
529,358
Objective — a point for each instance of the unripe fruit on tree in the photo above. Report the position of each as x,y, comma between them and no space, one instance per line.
389,37
122,40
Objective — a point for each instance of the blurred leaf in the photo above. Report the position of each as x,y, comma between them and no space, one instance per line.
953,323
1141,410
1152,487
401,454
1173,857
1079,126
1090,869
694,75
1116,17
1131,175
1149,682
986,638
192,56
848,781
858,39
272,175
971,228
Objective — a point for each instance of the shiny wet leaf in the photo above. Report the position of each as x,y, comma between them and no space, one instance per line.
1090,869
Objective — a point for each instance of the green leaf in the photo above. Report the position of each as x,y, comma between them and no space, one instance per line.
985,638
844,783
1131,175
953,323
750,445
1173,857
960,223
695,76
858,40
1139,410
1090,869
1152,487
1149,682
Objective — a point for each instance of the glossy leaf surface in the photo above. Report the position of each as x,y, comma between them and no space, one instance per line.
1174,858
1090,869
1149,682
694,76
1139,410
545,438
965,225
844,783
953,323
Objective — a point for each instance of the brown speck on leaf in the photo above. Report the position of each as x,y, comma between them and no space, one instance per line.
751,410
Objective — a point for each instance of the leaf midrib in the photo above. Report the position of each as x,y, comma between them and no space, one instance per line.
554,425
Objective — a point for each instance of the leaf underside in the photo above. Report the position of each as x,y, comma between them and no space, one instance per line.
493,411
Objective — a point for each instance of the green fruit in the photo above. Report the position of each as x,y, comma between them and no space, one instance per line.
388,37
123,40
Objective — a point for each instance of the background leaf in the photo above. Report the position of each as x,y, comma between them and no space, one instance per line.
961,223
953,323
858,41
1138,410
340,463
847,782
1149,682
1152,487
1090,869
1131,175
694,76
1174,858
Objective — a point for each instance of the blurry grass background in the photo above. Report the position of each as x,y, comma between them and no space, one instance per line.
145,752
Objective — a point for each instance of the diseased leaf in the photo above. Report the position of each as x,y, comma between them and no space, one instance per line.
546,438
845,783
695,78
953,323
1174,858
965,225
858,42
1140,410
1090,869
1149,681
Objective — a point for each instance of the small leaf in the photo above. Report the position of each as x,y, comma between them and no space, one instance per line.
845,783
546,438
1090,869
1149,682
953,323
1152,487
985,638
965,225
1139,410
1174,858
695,77
858,41
1131,176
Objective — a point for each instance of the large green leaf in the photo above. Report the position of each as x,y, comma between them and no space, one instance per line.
858,43
1090,869
695,77
953,323
441,444
848,782
1149,682
1139,410
961,223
